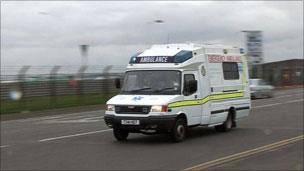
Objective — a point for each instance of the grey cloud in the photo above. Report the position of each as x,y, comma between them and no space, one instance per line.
116,30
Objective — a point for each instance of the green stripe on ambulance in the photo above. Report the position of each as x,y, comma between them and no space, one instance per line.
204,100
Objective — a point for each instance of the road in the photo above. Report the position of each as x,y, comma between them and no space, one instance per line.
271,138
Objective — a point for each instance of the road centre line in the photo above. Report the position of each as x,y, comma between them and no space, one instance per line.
60,116
75,118
268,105
73,135
282,93
290,95
274,104
293,101
84,117
3,146
244,154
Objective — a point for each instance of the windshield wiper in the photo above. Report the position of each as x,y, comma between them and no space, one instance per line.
146,88
167,88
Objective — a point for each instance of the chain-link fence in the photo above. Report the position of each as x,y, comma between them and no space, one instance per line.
30,88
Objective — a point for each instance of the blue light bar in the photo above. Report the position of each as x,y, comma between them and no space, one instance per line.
182,56
242,50
133,58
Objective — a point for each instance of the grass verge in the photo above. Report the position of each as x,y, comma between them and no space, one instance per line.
48,102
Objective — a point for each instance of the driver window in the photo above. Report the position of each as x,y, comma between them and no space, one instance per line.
188,77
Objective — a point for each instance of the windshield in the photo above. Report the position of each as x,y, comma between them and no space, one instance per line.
152,82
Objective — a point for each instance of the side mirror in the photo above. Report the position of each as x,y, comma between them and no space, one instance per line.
117,83
190,87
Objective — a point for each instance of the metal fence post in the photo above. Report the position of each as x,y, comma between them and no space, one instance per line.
105,88
52,86
80,85
21,86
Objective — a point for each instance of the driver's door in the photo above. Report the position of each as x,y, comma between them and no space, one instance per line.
193,111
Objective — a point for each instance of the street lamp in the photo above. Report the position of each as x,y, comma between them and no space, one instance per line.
160,21
84,54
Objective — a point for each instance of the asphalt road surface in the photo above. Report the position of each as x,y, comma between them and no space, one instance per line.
271,138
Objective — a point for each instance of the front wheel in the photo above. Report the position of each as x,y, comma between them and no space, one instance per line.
179,130
120,134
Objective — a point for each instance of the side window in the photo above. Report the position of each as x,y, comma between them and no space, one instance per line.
231,71
188,77
190,84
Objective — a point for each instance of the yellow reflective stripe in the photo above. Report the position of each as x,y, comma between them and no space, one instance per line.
205,100
225,96
184,103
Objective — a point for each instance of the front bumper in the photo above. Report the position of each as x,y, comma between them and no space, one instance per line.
158,124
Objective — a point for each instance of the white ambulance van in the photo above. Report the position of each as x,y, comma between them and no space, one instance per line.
170,88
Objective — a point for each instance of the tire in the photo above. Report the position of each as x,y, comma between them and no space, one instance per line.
179,130
227,125
120,135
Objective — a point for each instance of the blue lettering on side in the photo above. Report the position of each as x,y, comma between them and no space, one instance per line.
137,98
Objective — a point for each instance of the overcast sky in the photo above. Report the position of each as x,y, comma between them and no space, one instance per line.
49,33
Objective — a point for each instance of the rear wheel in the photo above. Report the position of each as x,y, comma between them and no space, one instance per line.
120,135
227,125
179,130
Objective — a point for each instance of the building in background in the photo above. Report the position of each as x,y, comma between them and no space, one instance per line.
283,73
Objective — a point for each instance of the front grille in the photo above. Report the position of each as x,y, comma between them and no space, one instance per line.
132,109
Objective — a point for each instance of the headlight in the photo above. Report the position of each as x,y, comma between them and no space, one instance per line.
110,107
159,108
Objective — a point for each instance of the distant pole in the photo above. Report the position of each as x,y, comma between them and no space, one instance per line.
160,21
84,54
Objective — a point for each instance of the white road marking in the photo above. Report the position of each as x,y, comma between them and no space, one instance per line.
282,93
293,101
274,104
81,117
61,116
3,146
72,120
268,105
291,95
74,135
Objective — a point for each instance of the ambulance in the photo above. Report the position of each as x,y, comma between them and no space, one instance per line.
172,87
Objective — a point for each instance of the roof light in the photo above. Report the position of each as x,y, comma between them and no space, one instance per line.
182,56
242,50
133,58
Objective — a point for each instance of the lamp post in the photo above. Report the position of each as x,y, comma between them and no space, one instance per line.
84,54
84,66
160,21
